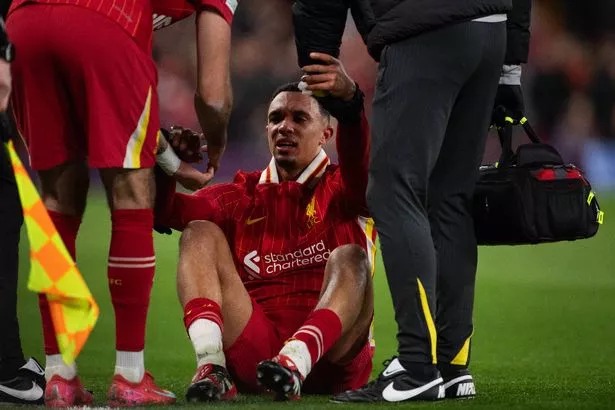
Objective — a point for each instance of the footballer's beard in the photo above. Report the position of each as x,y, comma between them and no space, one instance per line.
288,167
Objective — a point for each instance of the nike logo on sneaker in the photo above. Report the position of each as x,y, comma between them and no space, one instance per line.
32,394
34,367
390,393
393,368
251,221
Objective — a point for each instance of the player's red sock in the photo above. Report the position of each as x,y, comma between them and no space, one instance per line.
203,321
131,272
67,226
319,332
202,308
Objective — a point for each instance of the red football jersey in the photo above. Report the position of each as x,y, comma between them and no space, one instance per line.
282,233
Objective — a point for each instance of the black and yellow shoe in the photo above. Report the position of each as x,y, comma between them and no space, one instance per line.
459,384
395,384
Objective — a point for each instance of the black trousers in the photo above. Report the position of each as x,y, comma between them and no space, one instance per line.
431,113
11,219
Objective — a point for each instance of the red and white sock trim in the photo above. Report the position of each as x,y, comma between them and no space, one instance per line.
132,262
314,332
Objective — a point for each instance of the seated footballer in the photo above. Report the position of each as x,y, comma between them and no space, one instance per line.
275,268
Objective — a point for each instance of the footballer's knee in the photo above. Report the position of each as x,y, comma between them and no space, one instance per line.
201,231
129,188
64,188
351,261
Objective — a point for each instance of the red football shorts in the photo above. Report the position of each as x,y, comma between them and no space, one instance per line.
262,339
83,88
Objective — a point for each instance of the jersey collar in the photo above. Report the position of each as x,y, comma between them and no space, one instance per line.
310,173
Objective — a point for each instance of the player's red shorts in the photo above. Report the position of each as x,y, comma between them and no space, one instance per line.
83,88
263,338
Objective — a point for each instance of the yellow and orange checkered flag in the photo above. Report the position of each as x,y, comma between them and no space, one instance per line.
52,270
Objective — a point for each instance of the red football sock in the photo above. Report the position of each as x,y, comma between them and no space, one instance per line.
131,273
319,332
202,308
67,226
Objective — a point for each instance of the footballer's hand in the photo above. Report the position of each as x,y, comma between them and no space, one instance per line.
187,144
214,156
329,77
191,178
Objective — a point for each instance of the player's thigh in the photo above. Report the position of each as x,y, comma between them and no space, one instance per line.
47,116
258,341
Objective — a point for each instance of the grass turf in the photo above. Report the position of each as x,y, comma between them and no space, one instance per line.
544,323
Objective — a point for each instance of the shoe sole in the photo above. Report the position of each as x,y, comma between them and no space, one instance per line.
54,400
134,403
275,378
203,392
61,403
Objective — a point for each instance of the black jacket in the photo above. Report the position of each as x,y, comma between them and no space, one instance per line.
4,7
319,24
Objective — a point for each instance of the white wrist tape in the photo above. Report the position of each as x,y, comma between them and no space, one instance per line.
510,75
168,160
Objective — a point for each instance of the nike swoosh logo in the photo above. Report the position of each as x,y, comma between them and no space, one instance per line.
390,393
251,221
387,373
32,394
393,368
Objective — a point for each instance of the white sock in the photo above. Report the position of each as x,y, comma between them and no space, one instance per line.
55,365
206,338
298,352
130,365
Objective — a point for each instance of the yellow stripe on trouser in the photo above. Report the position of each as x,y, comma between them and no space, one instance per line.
431,328
132,157
367,226
464,353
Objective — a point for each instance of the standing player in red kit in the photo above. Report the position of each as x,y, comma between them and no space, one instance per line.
274,270
85,95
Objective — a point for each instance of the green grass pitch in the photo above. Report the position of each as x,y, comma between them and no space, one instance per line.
544,323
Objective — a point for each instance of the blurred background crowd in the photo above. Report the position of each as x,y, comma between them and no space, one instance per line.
569,82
